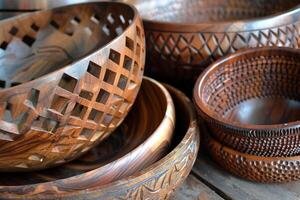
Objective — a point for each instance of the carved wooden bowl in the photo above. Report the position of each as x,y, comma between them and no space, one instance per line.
184,37
68,78
251,101
75,181
255,168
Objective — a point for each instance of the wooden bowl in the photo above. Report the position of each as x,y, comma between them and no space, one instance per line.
154,182
69,77
255,168
251,101
184,37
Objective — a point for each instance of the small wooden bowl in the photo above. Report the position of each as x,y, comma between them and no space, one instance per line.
155,182
251,101
77,69
184,37
255,168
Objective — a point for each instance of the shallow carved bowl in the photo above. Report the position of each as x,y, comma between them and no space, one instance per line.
184,37
68,78
132,145
251,101
252,167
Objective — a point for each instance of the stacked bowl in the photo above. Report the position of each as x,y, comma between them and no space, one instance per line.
250,104
71,84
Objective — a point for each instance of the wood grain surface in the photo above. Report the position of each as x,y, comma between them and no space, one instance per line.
231,187
157,181
69,77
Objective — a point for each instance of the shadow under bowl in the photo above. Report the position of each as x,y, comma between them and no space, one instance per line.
251,101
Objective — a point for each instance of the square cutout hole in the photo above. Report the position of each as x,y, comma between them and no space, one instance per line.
67,82
102,96
35,27
13,31
4,45
54,24
28,40
114,56
79,111
122,82
109,76
127,63
95,115
129,44
86,94
94,69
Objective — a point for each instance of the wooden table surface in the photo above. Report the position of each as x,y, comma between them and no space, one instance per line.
209,181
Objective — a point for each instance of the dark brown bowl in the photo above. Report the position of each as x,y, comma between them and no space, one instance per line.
69,77
251,101
157,181
254,168
184,37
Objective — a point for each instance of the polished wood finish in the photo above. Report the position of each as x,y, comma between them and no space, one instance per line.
69,77
251,101
184,37
255,168
157,181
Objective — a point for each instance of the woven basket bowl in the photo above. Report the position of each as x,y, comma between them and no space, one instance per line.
69,77
74,180
184,37
251,167
251,101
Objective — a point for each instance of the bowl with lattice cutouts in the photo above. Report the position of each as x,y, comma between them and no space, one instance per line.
68,78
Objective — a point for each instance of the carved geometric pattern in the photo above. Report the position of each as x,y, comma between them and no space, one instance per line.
185,55
158,181
62,116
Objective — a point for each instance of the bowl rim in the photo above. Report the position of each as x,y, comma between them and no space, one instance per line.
192,134
252,128
278,19
167,121
79,59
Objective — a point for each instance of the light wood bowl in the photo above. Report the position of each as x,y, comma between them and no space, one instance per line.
69,77
157,181
136,144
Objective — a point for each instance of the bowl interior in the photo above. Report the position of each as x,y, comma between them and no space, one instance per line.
39,43
258,87
135,130
197,11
